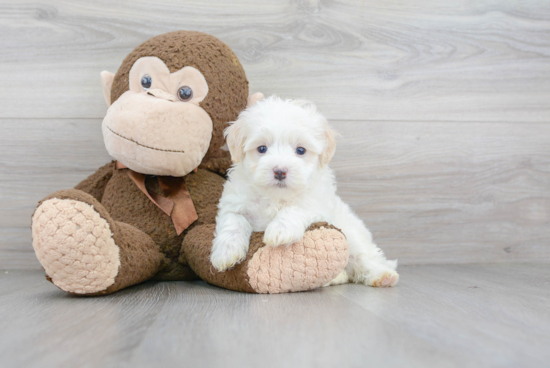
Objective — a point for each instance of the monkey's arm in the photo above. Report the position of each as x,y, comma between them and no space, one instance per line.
95,184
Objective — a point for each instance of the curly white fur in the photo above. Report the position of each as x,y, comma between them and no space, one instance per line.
255,199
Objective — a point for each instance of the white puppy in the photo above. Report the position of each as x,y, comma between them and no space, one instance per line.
280,183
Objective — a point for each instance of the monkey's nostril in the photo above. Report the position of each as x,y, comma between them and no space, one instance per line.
279,174
152,94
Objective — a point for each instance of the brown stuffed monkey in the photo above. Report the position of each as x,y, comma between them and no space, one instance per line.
151,213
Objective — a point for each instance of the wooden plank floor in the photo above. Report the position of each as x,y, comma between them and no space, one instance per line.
437,316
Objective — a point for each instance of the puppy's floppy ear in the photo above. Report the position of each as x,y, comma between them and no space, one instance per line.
107,82
330,145
252,99
234,135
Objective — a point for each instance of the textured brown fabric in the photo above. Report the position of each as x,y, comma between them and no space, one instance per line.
206,189
196,246
95,184
326,225
126,203
217,165
140,258
171,270
227,83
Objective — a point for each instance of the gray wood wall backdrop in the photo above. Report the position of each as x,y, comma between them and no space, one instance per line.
443,107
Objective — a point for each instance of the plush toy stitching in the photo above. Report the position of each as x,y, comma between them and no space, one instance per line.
140,144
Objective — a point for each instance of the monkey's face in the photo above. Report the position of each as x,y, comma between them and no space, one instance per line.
157,127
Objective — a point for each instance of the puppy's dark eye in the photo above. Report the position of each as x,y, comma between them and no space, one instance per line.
185,93
300,150
262,149
146,81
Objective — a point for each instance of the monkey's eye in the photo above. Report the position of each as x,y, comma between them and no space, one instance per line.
185,93
300,150
146,81
262,149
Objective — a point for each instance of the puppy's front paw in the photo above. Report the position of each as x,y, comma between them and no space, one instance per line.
282,233
226,254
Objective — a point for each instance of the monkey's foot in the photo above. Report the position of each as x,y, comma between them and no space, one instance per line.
313,262
75,246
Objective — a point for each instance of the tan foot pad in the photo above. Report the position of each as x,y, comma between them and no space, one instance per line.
311,263
386,279
75,246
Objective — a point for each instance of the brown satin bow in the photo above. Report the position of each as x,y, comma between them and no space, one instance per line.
176,202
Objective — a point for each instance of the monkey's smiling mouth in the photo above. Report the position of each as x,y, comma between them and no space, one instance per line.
143,145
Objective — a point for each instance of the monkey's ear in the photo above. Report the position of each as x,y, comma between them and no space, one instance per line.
252,99
330,147
107,82
234,136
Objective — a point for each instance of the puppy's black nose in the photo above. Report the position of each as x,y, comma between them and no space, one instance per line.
279,174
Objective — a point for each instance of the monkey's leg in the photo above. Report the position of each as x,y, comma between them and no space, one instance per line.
308,264
84,251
